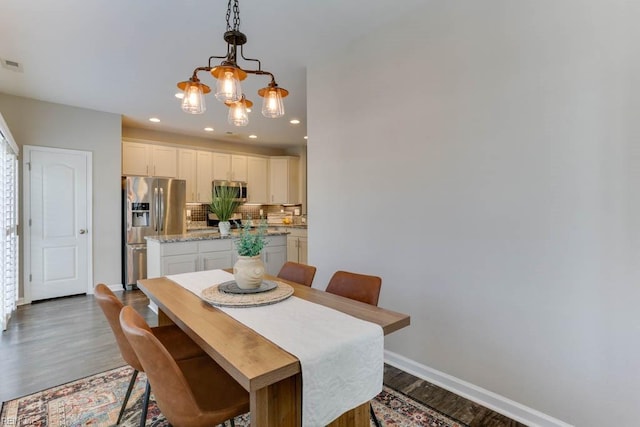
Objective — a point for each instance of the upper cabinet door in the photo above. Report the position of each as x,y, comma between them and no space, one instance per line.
204,176
187,167
283,180
149,160
222,166
135,159
165,161
257,180
239,168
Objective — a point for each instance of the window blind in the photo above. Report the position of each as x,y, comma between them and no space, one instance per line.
8,227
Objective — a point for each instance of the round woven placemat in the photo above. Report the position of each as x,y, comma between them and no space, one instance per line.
214,296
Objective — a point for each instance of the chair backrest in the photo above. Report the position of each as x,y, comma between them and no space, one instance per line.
299,273
359,287
170,387
111,307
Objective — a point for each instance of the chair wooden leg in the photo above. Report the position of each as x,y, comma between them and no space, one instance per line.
126,396
145,405
373,416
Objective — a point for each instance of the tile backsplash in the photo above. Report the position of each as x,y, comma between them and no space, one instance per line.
199,211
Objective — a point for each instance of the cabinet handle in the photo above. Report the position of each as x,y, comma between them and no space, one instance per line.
266,256
147,172
154,170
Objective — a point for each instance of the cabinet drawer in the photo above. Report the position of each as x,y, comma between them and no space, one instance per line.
214,245
179,248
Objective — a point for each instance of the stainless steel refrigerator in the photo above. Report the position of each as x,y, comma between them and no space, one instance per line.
152,207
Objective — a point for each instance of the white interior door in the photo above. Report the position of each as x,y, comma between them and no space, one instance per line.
58,198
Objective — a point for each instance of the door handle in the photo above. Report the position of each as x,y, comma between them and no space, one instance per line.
161,209
156,208
83,231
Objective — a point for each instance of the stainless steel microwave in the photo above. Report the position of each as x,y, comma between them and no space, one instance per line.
239,187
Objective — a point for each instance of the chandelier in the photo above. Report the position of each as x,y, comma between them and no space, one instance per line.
229,75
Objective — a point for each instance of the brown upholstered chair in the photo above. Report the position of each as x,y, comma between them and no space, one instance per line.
179,344
299,273
195,392
359,287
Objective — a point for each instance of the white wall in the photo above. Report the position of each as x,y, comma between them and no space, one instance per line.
45,124
484,159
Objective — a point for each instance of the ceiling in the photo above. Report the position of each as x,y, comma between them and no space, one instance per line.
125,57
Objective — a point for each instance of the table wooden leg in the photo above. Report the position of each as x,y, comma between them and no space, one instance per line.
278,405
357,417
163,319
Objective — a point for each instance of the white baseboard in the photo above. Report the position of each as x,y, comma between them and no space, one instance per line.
486,398
116,287
21,301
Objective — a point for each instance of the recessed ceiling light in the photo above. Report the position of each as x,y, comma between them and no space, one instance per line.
154,120
209,129
294,121
306,137
179,95
253,136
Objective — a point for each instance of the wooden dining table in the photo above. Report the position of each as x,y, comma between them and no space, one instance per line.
271,375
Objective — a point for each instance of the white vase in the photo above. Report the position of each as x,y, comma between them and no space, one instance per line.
248,271
224,227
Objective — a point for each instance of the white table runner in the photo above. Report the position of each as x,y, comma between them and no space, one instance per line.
341,357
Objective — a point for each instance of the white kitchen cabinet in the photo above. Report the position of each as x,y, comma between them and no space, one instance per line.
221,166
187,167
229,167
204,176
135,159
283,180
297,245
215,260
178,264
149,160
239,169
274,257
198,255
258,180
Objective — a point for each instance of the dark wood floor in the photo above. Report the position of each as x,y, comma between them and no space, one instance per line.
54,342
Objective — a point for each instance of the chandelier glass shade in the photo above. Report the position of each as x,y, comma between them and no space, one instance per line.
193,101
228,76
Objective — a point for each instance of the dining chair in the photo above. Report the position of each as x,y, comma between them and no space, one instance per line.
194,392
179,344
299,273
359,287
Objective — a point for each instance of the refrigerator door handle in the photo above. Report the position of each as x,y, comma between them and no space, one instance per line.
161,209
155,206
128,214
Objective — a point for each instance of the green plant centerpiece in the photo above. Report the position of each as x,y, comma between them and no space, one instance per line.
224,202
248,271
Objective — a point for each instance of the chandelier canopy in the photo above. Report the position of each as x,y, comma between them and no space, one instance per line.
229,75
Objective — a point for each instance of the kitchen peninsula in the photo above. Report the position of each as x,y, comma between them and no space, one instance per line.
184,253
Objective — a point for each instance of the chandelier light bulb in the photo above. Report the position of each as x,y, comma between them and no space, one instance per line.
272,106
238,114
193,100
228,86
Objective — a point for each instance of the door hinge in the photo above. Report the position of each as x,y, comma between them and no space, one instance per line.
29,222
30,277
29,165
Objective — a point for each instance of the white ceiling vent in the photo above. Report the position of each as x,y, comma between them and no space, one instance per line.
11,65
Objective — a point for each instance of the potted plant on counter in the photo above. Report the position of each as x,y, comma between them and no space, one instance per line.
248,271
224,202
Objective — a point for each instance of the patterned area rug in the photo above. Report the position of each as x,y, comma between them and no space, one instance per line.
96,400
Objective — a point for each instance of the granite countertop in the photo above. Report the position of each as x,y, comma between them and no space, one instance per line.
192,237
